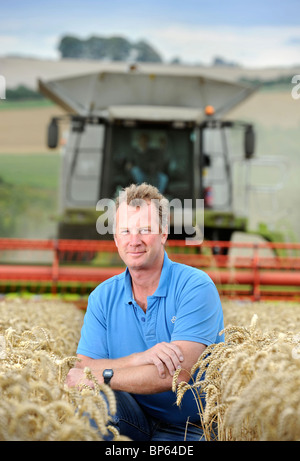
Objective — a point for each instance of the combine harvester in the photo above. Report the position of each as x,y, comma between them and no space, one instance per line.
164,122
166,125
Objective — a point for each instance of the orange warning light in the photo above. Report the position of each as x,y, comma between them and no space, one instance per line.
209,110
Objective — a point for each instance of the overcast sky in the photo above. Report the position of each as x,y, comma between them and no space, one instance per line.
256,33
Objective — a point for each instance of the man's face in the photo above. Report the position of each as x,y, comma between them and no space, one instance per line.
138,237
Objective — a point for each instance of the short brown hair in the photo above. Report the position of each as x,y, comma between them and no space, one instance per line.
136,193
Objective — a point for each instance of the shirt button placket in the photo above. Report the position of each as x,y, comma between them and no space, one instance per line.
150,324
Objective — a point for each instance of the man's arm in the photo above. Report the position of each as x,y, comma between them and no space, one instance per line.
145,379
162,355
132,374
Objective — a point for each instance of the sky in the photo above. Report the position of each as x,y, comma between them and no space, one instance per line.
256,33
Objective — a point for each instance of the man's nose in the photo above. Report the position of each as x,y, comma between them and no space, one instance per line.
135,238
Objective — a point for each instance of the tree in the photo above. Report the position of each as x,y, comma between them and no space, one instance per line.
71,47
94,48
146,53
118,48
114,48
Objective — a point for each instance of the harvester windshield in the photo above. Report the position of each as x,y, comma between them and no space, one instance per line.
161,156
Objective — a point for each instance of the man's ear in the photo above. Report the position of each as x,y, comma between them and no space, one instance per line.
164,235
165,239
116,241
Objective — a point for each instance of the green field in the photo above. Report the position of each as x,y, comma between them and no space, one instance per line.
36,171
29,195
24,104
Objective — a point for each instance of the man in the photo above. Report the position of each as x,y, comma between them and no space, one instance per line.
143,324
149,163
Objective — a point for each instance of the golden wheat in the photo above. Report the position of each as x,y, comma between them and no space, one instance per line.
249,385
37,349
252,380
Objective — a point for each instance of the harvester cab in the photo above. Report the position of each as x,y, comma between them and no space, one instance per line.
163,125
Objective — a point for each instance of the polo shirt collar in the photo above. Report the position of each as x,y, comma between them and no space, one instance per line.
162,288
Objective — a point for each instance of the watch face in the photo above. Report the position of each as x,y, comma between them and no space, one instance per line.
108,373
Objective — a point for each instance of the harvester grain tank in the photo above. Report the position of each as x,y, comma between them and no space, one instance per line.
161,124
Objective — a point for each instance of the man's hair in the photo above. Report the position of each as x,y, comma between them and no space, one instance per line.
138,194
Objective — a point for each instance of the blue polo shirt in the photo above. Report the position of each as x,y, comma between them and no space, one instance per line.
185,306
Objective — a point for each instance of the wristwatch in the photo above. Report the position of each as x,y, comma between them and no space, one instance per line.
107,375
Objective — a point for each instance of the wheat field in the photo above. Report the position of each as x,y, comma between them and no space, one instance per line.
38,342
252,380
251,385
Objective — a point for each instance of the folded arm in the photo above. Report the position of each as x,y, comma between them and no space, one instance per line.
146,372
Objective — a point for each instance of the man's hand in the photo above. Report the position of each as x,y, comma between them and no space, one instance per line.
76,378
162,355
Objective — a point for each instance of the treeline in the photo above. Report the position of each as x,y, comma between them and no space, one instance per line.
22,93
281,81
112,48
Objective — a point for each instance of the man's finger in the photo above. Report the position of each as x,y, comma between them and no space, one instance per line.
160,367
173,354
171,363
176,350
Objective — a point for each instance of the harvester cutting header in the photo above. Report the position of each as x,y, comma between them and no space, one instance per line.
160,124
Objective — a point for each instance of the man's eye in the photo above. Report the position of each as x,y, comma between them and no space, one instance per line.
144,231
124,232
